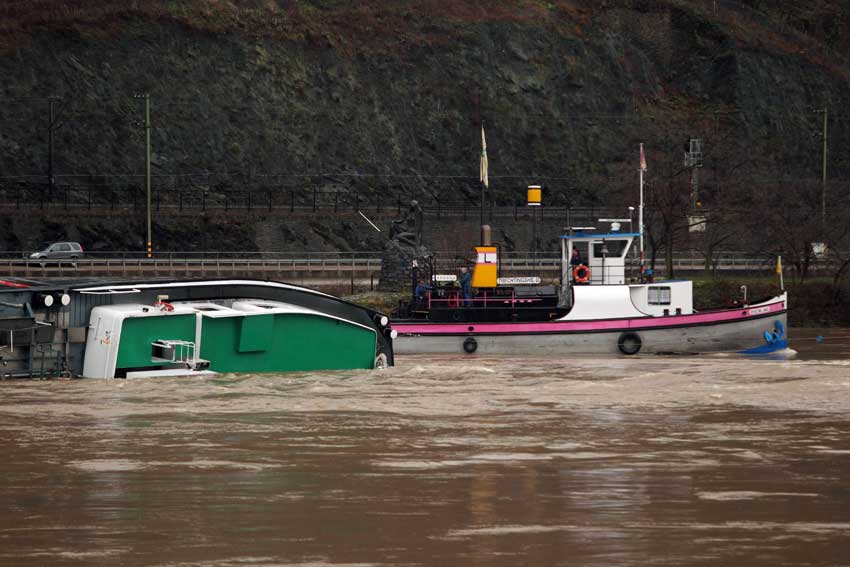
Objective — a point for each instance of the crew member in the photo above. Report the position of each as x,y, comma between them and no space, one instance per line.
575,262
421,290
466,286
575,259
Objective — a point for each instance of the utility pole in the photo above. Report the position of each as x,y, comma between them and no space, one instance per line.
148,166
51,179
823,181
147,98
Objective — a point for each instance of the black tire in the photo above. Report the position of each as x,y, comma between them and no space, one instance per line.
470,345
629,343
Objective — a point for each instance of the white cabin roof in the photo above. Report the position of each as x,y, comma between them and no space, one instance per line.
590,236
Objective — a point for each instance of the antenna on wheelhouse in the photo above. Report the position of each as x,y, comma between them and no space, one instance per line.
640,206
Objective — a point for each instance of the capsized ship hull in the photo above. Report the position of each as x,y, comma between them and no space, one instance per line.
754,329
107,329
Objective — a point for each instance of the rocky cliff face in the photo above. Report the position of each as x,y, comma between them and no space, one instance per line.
386,99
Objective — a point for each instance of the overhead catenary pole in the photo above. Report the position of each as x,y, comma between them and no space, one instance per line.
147,98
823,181
51,178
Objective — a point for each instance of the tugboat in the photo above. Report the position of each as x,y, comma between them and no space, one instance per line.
594,310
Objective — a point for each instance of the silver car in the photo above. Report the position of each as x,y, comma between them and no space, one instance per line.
59,250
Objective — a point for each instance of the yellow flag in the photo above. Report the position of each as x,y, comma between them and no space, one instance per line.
779,265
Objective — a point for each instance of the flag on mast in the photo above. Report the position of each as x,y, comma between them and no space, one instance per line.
642,159
484,166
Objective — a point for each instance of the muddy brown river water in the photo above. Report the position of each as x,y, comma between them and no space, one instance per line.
439,461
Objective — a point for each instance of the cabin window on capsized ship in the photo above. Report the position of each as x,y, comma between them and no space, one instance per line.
658,296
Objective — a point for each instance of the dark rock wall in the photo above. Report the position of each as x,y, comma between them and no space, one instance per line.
26,230
566,93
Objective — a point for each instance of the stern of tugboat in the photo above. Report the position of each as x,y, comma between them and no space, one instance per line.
774,331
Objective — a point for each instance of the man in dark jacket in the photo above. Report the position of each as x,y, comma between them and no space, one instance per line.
575,259
466,286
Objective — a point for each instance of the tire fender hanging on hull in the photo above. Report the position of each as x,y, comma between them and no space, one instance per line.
629,343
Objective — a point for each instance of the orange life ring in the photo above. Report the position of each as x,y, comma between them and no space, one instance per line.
581,274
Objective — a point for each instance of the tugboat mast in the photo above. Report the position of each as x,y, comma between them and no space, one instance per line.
640,206
483,178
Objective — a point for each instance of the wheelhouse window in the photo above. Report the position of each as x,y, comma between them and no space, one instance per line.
609,248
659,295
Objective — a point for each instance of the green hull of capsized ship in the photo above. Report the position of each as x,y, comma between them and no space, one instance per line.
280,343
234,341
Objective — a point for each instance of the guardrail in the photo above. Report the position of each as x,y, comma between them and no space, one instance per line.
188,266
270,264
194,255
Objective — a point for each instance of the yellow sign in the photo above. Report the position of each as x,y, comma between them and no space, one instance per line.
535,195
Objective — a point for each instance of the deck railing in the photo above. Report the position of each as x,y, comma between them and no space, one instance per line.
452,298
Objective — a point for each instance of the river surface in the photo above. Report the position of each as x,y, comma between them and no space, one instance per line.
451,460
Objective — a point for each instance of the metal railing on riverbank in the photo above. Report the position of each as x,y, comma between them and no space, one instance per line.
175,200
320,264
181,264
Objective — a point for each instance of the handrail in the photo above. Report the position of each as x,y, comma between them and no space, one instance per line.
453,298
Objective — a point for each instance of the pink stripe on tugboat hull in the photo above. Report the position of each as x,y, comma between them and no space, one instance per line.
711,317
